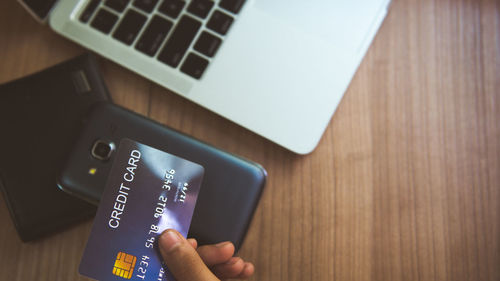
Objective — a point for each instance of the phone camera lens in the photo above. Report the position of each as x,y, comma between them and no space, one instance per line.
102,150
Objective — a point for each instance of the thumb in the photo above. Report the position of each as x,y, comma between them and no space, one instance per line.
182,259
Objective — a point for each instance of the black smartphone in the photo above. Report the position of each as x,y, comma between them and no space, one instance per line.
231,186
40,117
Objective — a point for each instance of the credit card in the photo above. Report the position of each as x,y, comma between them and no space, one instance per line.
147,192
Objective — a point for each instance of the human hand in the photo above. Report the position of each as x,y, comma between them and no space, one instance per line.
188,262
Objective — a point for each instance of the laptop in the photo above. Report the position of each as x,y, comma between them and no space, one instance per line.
276,67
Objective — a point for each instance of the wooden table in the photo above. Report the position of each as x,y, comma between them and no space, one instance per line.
404,185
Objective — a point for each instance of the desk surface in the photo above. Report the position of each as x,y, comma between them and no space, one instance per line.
404,185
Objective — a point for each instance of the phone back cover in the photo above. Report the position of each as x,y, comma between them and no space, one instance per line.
39,119
231,186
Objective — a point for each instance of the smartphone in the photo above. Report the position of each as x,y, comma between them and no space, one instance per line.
40,117
231,186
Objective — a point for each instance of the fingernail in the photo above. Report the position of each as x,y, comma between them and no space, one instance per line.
169,240
222,244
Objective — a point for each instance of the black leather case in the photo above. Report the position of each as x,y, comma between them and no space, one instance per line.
40,117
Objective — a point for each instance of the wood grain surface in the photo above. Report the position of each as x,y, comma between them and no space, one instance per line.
404,185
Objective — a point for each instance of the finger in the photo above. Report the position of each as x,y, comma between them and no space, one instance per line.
247,272
215,254
231,269
193,242
181,259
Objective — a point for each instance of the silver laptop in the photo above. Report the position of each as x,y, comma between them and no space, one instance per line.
276,67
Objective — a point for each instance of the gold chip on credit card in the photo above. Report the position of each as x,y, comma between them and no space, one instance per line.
124,265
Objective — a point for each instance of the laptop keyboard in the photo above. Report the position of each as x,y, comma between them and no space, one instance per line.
166,29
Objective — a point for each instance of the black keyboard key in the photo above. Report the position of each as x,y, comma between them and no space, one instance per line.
129,27
104,21
89,11
153,36
172,8
117,5
145,5
220,22
194,66
207,44
234,6
200,8
179,42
